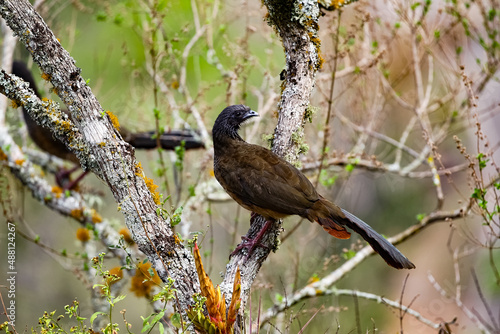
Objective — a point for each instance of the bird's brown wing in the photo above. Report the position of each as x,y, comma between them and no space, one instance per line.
261,181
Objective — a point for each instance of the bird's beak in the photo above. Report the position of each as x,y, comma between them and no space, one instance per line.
250,114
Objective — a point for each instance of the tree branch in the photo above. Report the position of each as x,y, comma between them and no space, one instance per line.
101,150
297,24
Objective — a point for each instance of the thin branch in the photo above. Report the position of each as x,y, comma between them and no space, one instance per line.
311,292
114,163
482,327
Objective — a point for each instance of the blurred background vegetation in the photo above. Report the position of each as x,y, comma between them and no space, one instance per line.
179,63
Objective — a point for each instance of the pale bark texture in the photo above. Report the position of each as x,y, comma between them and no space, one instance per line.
114,162
296,23
98,145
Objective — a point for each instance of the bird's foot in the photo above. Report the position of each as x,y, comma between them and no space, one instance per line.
249,244
252,243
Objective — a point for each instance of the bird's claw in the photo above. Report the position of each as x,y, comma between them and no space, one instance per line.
250,245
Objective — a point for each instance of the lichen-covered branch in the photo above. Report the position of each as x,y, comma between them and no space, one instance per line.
101,150
296,22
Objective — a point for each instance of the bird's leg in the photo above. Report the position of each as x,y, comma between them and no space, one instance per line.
251,243
252,216
63,174
63,180
72,185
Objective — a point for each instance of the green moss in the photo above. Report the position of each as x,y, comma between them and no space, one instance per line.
268,139
298,140
310,111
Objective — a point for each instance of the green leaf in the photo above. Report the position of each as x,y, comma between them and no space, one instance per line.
476,193
160,327
145,323
95,315
491,14
192,192
349,254
176,218
156,112
326,180
118,20
158,316
482,161
101,16
119,298
176,320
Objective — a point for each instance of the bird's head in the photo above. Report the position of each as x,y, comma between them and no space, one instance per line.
230,120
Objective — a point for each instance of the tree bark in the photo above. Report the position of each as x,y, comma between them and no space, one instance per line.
296,22
100,148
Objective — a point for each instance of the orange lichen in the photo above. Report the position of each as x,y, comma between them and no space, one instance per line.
46,76
3,156
126,235
340,3
313,279
83,234
77,214
58,191
321,61
96,218
102,144
142,282
19,162
138,170
317,43
113,119
175,84
66,125
153,189
14,104
176,239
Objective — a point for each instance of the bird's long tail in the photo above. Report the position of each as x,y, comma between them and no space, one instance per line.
336,220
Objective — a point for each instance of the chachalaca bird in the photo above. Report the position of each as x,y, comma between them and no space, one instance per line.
264,183
44,139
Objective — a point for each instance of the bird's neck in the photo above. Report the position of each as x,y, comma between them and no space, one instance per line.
224,141
222,133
